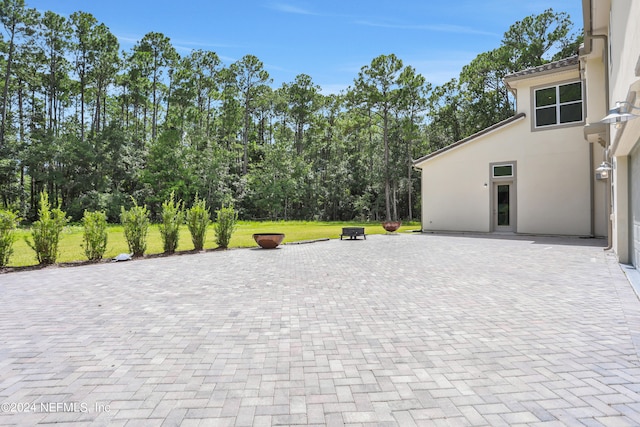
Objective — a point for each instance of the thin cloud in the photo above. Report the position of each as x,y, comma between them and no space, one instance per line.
201,44
276,68
440,71
287,8
457,29
128,40
333,88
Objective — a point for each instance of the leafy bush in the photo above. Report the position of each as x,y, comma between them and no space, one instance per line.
8,223
172,219
225,225
136,226
197,222
95,234
46,231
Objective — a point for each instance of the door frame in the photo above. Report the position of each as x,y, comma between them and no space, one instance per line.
500,178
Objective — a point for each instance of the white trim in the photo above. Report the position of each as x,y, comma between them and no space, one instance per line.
512,181
557,105
493,170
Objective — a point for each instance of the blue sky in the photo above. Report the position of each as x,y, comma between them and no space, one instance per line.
330,40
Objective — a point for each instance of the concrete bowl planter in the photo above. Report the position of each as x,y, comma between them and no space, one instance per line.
268,240
391,226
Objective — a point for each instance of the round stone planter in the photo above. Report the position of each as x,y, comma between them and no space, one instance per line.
391,226
268,240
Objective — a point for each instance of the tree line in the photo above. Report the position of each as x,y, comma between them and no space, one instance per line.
97,128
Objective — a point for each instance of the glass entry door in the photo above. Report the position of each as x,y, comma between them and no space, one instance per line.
503,207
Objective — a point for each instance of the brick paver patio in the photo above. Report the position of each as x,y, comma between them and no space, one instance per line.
408,329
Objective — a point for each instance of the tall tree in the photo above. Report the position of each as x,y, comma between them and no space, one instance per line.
230,114
135,83
56,33
156,55
530,40
106,65
377,86
444,114
206,66
17,22
304,102
484,94
85,51
250,75
414,90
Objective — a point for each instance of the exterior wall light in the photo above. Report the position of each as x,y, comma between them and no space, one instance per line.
602,171
620,114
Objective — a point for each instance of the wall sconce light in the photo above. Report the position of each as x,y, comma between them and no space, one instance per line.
620,114
602,171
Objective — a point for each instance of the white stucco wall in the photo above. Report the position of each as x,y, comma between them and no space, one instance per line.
454,197
596,108
624,42
624,35
552,180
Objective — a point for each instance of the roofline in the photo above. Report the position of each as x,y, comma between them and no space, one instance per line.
565,64
476,135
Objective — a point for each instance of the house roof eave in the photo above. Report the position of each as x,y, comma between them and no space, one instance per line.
486,131
566,64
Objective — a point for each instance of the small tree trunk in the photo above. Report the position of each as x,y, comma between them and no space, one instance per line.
410,191
5,93
395,203
387,185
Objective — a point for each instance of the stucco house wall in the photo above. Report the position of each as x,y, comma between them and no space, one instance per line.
552,182
611,57
556,188
625,86
553,172
595,133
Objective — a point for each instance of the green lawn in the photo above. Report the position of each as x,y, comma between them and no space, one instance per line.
295,231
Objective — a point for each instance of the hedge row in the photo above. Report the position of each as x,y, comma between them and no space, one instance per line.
45,232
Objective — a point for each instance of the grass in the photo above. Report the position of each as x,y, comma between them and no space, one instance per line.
295,231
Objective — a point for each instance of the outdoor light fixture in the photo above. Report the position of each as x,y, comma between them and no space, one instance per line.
603,170
620,114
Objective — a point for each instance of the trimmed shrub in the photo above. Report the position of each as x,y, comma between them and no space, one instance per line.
225,225
46,231
95,234
136,226
8,224
172,219
197,222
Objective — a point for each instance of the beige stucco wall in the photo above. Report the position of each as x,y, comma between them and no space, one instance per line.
625,54
453,194
553,173
595,84
624,42
552,182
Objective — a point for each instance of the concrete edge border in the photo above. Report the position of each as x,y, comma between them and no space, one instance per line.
633,276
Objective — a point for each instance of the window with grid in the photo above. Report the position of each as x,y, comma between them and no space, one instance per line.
559,104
